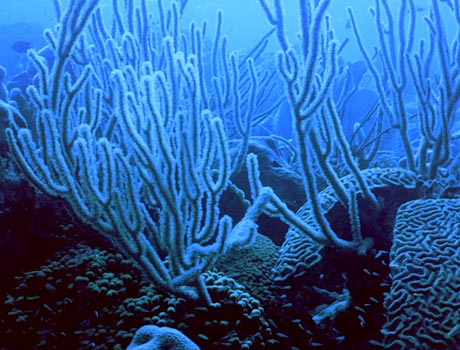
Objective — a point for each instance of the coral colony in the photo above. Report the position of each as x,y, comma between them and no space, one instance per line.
245,199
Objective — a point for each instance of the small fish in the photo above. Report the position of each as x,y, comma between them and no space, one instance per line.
21,46
360,309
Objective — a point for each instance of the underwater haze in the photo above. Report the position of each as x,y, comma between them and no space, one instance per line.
230,174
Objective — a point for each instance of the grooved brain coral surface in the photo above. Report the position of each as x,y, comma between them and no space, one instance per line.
299,251
423,305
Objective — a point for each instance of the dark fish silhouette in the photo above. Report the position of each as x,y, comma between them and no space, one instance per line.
21,46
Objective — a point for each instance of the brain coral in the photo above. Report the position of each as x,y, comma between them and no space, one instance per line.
300,252
423,305
151,337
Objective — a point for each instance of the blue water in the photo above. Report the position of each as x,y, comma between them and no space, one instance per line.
205,190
